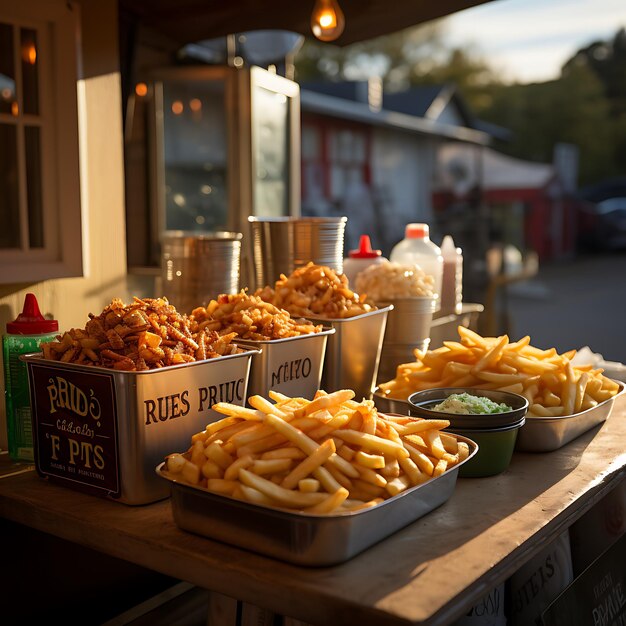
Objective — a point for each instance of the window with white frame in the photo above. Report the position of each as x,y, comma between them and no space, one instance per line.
40,234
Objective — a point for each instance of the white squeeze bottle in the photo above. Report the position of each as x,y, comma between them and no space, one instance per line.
417,249
452,283
359,259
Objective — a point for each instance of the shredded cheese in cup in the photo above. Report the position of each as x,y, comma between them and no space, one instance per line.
387,281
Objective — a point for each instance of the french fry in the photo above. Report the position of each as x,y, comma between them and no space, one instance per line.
286,497
332,502
318,457
375,461
308,485
373,443
271,466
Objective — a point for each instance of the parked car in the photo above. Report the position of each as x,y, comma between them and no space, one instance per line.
602,226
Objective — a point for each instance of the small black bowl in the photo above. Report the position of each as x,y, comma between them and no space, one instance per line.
421,404
495,433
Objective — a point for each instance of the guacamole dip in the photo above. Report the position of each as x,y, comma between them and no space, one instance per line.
467,404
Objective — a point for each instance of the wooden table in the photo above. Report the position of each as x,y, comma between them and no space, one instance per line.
428,573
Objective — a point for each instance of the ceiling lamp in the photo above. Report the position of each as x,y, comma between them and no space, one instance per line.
327,20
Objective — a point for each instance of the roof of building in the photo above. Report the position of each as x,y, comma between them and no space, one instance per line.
333,106
427,102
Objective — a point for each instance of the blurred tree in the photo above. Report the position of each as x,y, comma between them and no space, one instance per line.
572,109
585,106
414,56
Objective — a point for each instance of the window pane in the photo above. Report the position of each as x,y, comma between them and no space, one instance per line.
310,143
10,231
30,73
7,69
195,153
270,128
33,184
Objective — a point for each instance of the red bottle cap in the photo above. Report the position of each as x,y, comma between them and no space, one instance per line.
365,250
30,321
416,231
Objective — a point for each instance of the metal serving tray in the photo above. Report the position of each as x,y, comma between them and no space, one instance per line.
103,431
292,366
353,352
304,539
545,434
386,404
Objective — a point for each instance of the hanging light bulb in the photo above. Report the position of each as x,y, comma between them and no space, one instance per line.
327,21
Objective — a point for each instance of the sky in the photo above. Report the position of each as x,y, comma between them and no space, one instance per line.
529,40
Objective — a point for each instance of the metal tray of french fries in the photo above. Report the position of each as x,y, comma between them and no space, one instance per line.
103,431
300,538
545,434
292,365
312,482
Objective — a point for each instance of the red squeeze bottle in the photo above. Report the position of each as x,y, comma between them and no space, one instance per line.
359,259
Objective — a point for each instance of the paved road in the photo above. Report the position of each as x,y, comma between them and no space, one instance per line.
573,304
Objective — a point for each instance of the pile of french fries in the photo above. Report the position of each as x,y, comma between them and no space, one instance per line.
250,317
147,334
552,385
316,291
326,455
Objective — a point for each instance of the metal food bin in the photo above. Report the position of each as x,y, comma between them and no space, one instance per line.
103,431
545,434
388,404
353,352
292,366
408,328
301,538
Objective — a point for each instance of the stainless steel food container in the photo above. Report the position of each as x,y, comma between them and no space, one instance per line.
292,366
408,329
300,538
545,434
196,267
103,431
409,321
282,244
353,352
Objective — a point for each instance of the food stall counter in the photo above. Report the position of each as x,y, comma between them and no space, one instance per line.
431,572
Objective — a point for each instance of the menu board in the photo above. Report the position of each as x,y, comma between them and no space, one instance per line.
597,597
75,424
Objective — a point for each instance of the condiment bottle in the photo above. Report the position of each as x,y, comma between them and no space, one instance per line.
24,335
359,259
417,249
452,282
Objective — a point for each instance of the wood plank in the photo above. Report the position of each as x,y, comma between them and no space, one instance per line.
428,573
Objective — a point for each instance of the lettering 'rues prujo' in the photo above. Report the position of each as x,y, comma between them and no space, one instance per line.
292,370
177,405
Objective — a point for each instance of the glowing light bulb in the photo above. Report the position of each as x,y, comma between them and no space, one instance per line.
29,53
327,20
141,89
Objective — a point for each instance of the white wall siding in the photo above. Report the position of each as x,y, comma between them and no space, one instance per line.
402,169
